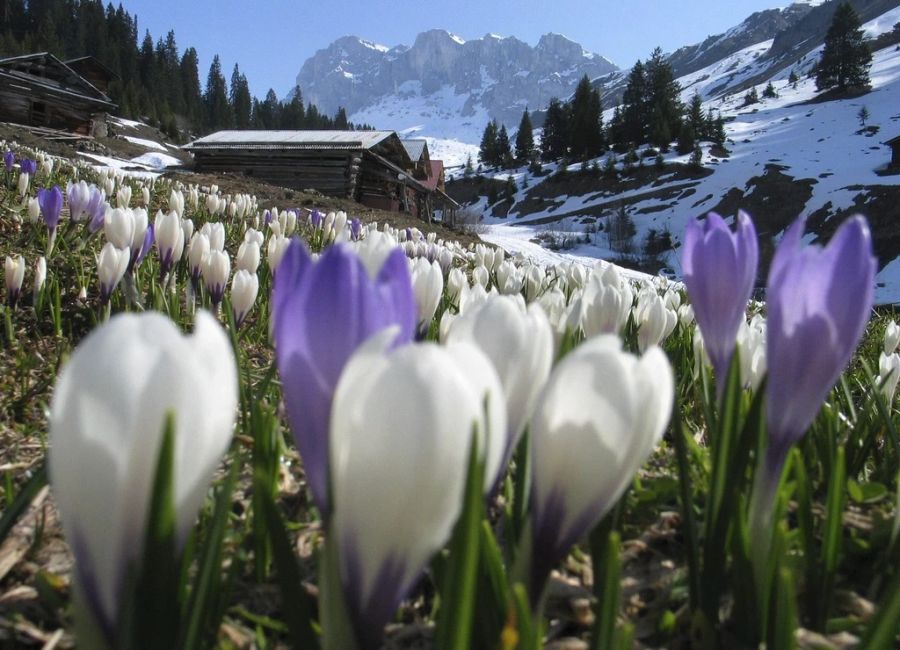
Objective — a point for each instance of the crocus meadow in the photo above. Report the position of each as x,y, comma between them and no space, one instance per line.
326,432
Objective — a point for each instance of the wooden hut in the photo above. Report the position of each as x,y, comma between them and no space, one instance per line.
894,144
94,71
371,167
40,90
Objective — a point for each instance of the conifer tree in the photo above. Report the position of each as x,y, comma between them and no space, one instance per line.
664,106
219,114
695,119
469,169
586,136
634,112
846,57
487,152
524,139
504,151
240,99
554,138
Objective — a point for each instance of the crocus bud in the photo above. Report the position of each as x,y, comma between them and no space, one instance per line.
216,233
145,197
51,202
719,273
197,256
123,197
456,280
79,195
14,275
275,251
118,225
654,321
216,269
107,419
9,159
141,223
322,312
40,276
244,287
176,202
169,239
111,266
428,286
22,183
248,256
600,416
398,428
605,303
888,374
34,210
481,276
891,337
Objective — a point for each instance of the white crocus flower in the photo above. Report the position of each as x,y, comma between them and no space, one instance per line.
111,266
14,276
244,289
248,256
519,343
891,337
216,270
401,427
40,276
600,416
107,419
119,227
888,375
428,286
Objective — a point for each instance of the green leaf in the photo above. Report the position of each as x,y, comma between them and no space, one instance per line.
200,612
607,571
784,612
686,497
296,603
454,623
869,492
22,501
337,629
882,631
831,538
150,614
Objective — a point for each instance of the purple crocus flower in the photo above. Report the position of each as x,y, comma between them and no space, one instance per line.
719,272
819,301
9,159
149,238
96,208
267,217
355,229
28,166
51,202
323,311
315,218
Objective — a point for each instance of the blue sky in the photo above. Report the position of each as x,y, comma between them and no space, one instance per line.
270,39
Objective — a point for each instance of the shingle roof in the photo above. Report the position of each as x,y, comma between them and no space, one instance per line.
290,140
414,148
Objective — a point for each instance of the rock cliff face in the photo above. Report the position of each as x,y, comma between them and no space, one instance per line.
493,75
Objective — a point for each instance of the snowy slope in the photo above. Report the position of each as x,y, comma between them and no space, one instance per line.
817,143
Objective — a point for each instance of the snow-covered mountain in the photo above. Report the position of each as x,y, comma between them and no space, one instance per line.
444,85
789,155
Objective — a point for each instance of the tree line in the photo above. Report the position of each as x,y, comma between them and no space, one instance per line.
651,112
153,81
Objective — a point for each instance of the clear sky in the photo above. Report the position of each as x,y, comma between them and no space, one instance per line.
270,39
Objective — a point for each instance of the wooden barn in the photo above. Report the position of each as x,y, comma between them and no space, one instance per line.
40,90
894,144
371,167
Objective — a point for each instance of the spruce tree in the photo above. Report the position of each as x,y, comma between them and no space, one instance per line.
487,151
634,112
664,106
586,136
524,139
554,138
695,121
240,99
504,151
219,114
846,57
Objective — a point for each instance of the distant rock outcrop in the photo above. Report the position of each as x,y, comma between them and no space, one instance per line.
500,75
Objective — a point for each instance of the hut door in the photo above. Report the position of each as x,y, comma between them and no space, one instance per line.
38,113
